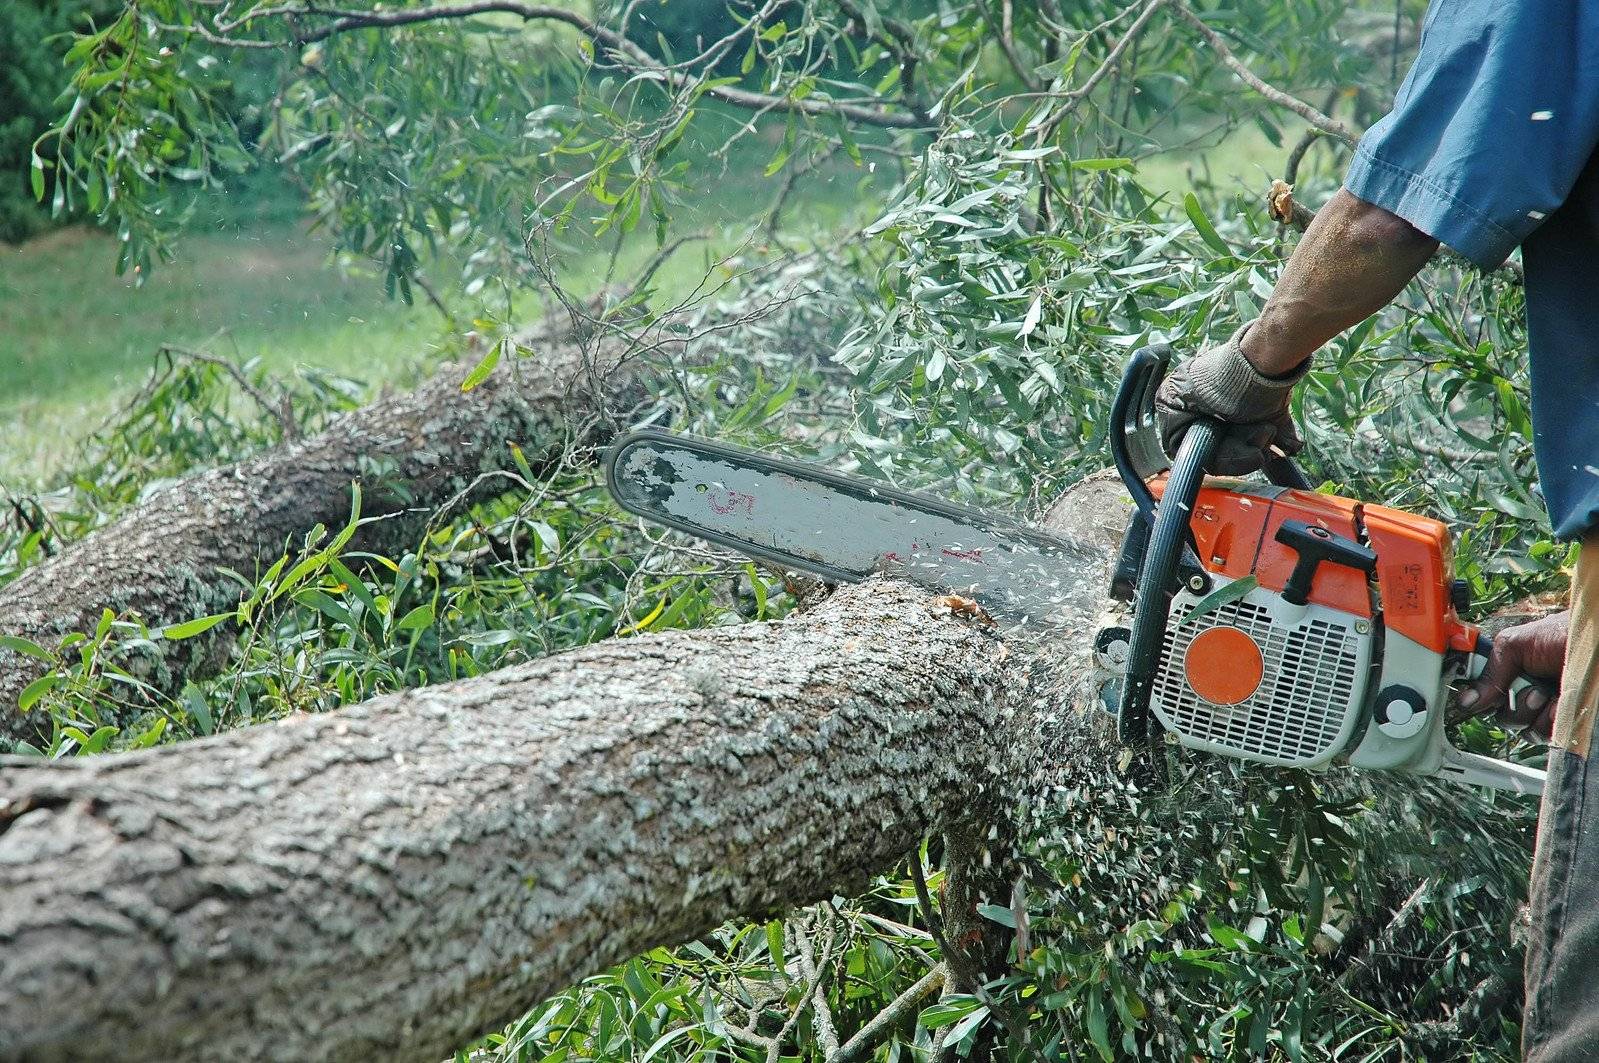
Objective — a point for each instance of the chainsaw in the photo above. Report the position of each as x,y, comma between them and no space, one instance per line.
1269,622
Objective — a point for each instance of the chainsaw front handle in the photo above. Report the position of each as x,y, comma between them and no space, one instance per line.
1157,581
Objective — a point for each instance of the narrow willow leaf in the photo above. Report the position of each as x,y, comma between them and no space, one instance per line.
1202,225
1223,595
481,371
190,628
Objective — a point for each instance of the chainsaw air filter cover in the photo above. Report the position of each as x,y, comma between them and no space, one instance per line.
1260,679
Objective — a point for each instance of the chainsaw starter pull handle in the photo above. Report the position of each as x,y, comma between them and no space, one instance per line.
1316,545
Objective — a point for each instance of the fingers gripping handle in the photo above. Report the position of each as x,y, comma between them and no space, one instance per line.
1135,431
1478,663
1471,769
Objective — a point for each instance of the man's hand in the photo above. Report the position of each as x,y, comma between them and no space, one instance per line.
1536,650
1220,383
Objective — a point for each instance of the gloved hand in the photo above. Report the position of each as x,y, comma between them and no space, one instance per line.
1220,383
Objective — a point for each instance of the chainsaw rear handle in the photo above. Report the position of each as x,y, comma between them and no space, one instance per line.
1477,663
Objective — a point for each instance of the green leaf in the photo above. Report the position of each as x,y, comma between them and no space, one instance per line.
194,701
1202,225
947,1011
36,690
151,736
1102,164
774,944
1223,595
97,742
665,1040
1099,1026
481,371
190,628
36,175
489,638
417,619
18,644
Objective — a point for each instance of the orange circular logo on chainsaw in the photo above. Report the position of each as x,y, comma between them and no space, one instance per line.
1223,665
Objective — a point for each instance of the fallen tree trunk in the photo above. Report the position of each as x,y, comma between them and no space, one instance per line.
390,880
163,561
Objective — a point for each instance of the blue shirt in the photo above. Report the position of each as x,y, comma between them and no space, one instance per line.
1491,144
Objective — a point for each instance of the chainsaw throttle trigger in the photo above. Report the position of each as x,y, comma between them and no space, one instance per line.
1315,545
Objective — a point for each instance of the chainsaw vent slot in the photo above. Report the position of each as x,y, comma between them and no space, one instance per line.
1306,704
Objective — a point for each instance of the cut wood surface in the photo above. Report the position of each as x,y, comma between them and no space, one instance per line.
163,561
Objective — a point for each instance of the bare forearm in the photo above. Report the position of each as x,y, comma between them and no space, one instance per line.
1353,260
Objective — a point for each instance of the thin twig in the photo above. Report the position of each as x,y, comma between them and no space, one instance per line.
867,1036
1110,62
1331,126
625,51
433,297
1306,142
1007,43
822,1017
278,410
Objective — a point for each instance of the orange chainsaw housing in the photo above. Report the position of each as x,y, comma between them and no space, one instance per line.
1235,527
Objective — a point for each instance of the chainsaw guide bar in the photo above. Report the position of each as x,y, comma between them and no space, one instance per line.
800,516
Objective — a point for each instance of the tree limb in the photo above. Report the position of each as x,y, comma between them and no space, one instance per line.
166,560
868,1036
394,879
625,49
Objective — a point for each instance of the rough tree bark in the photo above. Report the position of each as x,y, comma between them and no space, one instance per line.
163,560
389,880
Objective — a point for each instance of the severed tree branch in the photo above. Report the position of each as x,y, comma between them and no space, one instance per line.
1289,212
866,1038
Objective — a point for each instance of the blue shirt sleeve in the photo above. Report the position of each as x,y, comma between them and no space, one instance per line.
1492,125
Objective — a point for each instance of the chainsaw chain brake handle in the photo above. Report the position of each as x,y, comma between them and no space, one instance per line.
1158,545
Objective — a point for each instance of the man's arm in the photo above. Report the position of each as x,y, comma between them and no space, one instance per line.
1353,260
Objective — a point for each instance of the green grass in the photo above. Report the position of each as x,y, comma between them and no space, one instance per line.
74,338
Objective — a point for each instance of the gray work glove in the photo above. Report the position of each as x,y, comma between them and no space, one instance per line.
1219,383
